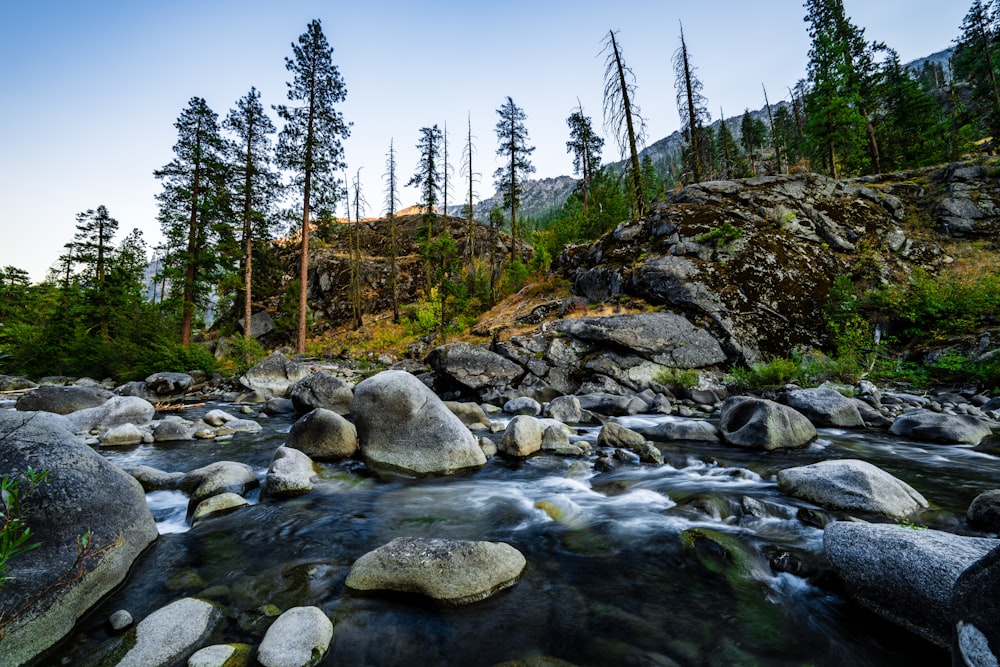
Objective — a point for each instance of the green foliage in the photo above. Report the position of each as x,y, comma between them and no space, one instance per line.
244,353
775,373
15,492
515,276
721,236
678,377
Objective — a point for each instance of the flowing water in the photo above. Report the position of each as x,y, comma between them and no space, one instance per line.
643,565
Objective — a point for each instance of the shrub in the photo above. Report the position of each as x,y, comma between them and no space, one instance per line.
721,236
14,532
678,377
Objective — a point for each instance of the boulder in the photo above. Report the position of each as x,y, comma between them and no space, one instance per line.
403,426
218,477
662,337
522,437
611,404
471,414
680,429
168,385
14,383
760,423
324,435
289,474
851,485
173,428
238,426
474,367
825,407
168,636
523,405
221,655
274,376
116,411
62,400
217,417
83,492
566,409
451,571
153,479
300,637
904,575
984,512
975,606
218,504
261,323
123,435
613,434
321,390
278,406
939,427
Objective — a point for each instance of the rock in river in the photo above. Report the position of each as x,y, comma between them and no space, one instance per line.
849,484
451,571
403,426
757,422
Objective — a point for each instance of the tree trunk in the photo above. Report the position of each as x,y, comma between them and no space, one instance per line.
633,151
248,238
190,273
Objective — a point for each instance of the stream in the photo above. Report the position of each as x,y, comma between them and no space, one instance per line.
643,565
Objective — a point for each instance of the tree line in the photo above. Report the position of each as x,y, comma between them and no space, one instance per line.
235,181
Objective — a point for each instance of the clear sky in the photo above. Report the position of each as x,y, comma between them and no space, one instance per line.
90,90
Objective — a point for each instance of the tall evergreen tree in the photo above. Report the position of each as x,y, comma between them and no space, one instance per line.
842,73
310,145
623,118
92,247
976,61
911,131
193,203
427,175
691,105
512,136
256,184
586,146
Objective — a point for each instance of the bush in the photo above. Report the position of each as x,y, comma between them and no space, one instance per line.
678,377
722,235
14,532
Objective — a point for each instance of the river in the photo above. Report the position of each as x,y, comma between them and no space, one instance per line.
643,565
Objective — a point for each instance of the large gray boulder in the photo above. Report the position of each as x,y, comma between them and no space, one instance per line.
764,424
984,511
300,637
474,367
611,404
290,473
975,603
62,400
261,323
323,435
83,492
662,337
321,390
566,409
522,437
274,376
851,485
217,478
825,407
451,571
680,429
168,636
940,427
116,411
403,426
15,383
904,575
168,385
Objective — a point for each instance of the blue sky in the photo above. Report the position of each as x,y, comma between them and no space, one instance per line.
91,89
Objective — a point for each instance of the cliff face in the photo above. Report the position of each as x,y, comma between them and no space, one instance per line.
753,260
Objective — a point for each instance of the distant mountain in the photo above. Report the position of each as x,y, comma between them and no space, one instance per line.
942,58
539,196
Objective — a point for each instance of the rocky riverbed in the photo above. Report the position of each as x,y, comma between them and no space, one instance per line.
313,519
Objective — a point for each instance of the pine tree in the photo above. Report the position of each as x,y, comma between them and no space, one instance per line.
427,175
357,295
391,203
911,131
467,169
513,139
193,208
976,61
623,118
691,106
842,73
586,146
309,145
256,184
92,247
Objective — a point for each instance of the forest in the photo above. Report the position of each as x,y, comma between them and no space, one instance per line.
245,203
